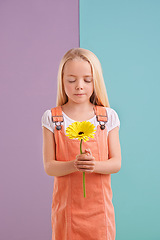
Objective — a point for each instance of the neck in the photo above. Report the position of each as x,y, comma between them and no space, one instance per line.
76,107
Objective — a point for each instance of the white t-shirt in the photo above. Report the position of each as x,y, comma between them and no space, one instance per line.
113,120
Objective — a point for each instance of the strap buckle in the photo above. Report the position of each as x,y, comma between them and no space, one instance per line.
102,119
101,122
57,121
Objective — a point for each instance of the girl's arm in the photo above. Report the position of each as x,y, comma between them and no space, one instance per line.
113,164
51,166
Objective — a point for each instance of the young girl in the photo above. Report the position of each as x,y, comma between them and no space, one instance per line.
81,96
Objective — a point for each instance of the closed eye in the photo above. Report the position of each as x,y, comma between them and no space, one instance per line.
88,81
71,81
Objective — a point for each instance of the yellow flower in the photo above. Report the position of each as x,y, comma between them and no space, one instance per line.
81,130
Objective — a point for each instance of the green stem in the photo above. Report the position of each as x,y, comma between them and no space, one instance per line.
84,189
81,146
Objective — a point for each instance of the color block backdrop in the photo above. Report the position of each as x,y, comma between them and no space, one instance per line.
125,35
35,34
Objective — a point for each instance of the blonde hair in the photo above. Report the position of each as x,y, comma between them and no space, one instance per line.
99,96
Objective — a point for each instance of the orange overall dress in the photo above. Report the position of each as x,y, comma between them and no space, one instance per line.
74,217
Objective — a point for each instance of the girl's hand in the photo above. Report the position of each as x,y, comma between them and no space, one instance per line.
85,162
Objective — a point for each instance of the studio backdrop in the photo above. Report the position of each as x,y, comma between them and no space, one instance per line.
125,36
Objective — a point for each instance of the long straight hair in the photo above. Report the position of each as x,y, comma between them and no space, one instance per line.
99,96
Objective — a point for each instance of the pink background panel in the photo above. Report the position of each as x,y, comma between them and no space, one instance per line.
34,37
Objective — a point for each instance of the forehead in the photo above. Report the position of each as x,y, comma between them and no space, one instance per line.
77,67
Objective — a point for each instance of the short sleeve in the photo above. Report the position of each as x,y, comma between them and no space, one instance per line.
46,120
113,119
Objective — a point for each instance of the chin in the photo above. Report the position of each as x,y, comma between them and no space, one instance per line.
79,101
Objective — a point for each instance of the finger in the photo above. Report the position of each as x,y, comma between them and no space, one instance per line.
87,163
88,151
85,160
85,157
77,167
86,169
79,155
75,164
89,171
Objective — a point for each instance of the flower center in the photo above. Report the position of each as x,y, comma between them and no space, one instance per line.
80,133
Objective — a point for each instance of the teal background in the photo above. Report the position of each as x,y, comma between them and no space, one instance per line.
125,36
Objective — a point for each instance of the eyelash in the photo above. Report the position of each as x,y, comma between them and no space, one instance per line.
84,80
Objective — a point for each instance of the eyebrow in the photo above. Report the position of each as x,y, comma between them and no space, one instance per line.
83,76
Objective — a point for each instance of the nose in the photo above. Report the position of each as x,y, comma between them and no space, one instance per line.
79,85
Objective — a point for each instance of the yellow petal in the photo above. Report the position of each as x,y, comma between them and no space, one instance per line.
86,127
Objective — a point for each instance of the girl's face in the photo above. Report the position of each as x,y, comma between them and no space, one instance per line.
78,80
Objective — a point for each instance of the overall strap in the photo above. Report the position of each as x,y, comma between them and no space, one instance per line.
57,116
101,115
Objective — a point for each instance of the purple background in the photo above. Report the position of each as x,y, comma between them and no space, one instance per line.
35,34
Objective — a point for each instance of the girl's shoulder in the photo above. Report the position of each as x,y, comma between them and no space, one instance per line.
46,120
113,118
111,111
